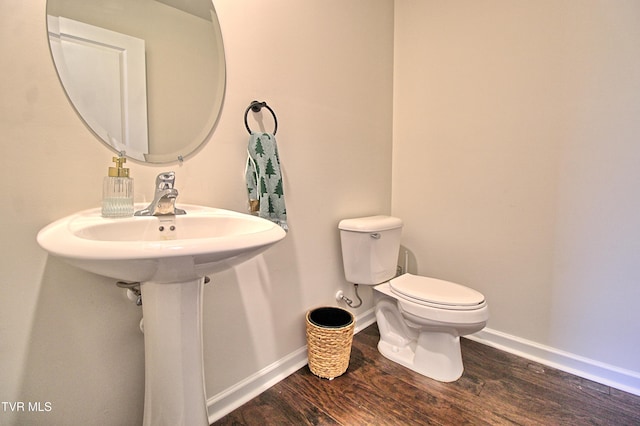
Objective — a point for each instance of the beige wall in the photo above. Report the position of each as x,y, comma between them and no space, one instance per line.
72,338
516,163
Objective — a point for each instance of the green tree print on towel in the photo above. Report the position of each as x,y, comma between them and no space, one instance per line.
259,147
263,186
269,171
271,208
278,191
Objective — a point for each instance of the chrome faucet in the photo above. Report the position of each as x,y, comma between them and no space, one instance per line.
164,201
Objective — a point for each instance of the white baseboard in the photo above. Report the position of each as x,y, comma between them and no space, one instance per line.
231,398
365,319
606,374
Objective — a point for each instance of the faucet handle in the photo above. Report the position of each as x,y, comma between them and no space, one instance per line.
165,180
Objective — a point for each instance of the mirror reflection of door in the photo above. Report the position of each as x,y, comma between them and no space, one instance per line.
104,73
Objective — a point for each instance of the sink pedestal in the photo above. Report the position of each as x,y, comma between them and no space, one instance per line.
174,388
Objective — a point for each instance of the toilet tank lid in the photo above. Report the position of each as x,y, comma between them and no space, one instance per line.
370,223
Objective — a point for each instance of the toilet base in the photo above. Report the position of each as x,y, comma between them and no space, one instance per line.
435,355
422,338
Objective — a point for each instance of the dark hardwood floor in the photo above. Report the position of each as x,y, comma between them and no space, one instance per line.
496,388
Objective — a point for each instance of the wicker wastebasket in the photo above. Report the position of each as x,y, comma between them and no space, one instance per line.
329,338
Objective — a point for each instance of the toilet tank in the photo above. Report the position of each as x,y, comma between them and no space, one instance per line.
370,247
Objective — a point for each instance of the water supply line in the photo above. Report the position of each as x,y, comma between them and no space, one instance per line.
340,297
406,262
133,291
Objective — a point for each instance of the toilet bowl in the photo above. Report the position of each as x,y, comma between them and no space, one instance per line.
420,319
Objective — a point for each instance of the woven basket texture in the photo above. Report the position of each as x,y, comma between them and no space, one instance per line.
329,349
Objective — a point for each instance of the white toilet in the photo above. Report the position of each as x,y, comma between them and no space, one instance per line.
420,319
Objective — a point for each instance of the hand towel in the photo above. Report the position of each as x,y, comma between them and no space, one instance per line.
264,179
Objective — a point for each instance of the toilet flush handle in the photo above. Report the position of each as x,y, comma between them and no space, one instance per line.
375,235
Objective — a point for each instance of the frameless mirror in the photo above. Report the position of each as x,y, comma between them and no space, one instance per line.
146,76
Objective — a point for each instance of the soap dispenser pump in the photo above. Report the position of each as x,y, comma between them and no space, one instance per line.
117,191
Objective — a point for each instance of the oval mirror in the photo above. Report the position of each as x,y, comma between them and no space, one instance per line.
146,76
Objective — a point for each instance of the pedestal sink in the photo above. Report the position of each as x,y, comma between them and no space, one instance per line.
169,256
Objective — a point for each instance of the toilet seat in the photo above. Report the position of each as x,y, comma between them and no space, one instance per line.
436,293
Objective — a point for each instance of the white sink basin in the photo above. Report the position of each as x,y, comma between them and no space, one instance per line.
146,248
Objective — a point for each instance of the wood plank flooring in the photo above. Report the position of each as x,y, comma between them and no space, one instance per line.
496,388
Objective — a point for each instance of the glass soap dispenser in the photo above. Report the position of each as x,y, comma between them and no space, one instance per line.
117,191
